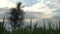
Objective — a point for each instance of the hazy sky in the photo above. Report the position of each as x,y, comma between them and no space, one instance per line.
45,6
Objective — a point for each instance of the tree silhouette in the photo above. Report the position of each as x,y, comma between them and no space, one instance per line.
17,16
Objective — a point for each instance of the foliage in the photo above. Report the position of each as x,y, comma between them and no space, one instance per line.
35,30
17,16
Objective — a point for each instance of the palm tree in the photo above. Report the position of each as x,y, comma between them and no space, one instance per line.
17,16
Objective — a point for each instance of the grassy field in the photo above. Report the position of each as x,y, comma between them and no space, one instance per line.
35,30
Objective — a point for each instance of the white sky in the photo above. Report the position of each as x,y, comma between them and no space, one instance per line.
6,3
45,6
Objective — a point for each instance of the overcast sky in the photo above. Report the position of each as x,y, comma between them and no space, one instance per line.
45,6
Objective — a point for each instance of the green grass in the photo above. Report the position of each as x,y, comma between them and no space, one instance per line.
35,30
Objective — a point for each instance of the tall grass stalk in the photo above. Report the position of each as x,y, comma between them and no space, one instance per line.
31,26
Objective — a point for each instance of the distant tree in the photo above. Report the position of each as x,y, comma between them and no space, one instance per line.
17,16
